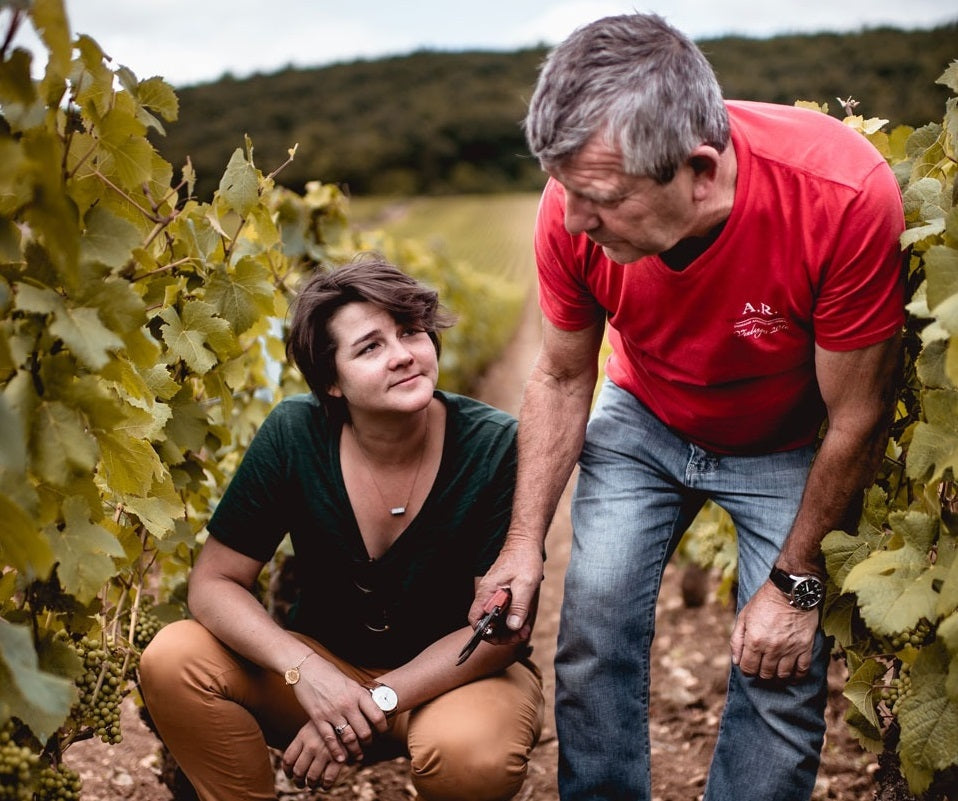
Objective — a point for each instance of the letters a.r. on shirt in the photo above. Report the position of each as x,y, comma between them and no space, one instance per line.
758,320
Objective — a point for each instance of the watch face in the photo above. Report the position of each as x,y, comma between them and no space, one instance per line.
385,697
808,593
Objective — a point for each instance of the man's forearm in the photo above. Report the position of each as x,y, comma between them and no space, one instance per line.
835,482
551,432
859,389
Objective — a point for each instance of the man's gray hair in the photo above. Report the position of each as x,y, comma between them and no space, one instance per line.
644,86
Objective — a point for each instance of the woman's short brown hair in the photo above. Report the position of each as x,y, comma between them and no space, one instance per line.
367,279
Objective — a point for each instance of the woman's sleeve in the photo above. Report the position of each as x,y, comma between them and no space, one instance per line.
251,516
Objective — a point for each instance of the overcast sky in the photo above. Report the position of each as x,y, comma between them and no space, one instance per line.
193,41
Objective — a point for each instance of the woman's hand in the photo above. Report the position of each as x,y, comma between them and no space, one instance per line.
342,713
308,760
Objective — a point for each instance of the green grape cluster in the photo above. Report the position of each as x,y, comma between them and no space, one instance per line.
57,784
916,637
147,625
17,766
897,690
102,687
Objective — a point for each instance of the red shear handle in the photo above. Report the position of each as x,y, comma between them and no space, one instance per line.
500,598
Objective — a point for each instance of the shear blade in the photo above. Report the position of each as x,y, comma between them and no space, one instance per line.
471,646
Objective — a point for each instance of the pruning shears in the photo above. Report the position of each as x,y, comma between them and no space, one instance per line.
493,610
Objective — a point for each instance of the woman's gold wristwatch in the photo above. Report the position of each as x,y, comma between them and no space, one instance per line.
292,675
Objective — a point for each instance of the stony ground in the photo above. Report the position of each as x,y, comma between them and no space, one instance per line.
690,657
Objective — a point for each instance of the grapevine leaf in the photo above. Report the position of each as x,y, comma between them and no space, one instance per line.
21,106
160,382
128,156
243,297
57,657
129,464
838,619
860,690
843,551
918,529
951,120
949,77
92,80
197,234
50,21
108,239
128,382
951,361
928,717
186,344
260,234
13,444
941,268
201,317
37,301
84,334
42,701
923,200
912,236
83,550
918,778
867,735
157,95
182,533
934,447
946,313
239,185
894,588
21,545
948,634
186,430
948,602
931,367
160,511
60,443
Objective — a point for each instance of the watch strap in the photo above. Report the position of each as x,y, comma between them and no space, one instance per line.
797,588
784,581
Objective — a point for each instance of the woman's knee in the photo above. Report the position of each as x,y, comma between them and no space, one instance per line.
460,767
164,663
474,745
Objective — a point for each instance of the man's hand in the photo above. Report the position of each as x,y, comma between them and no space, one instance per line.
772,639
519,567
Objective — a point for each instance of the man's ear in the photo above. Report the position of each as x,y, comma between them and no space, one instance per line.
704,161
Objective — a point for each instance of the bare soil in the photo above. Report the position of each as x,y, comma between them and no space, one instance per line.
690,658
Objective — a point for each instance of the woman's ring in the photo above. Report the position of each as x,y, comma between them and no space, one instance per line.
340,729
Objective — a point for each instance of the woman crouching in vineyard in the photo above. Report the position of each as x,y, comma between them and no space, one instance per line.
396,497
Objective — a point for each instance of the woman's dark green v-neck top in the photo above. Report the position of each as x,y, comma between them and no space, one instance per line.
382,612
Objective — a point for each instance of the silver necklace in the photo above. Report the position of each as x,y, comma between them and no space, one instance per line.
395,511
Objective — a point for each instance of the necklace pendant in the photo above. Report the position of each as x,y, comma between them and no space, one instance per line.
397,511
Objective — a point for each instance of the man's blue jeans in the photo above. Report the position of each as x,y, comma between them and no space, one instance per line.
639,487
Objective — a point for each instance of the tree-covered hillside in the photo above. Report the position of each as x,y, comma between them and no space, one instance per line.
437,122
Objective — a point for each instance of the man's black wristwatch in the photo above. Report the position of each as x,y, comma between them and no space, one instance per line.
803,592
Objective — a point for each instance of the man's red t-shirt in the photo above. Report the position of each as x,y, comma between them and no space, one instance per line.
723,351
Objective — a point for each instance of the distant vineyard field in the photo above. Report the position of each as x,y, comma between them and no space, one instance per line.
492,233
